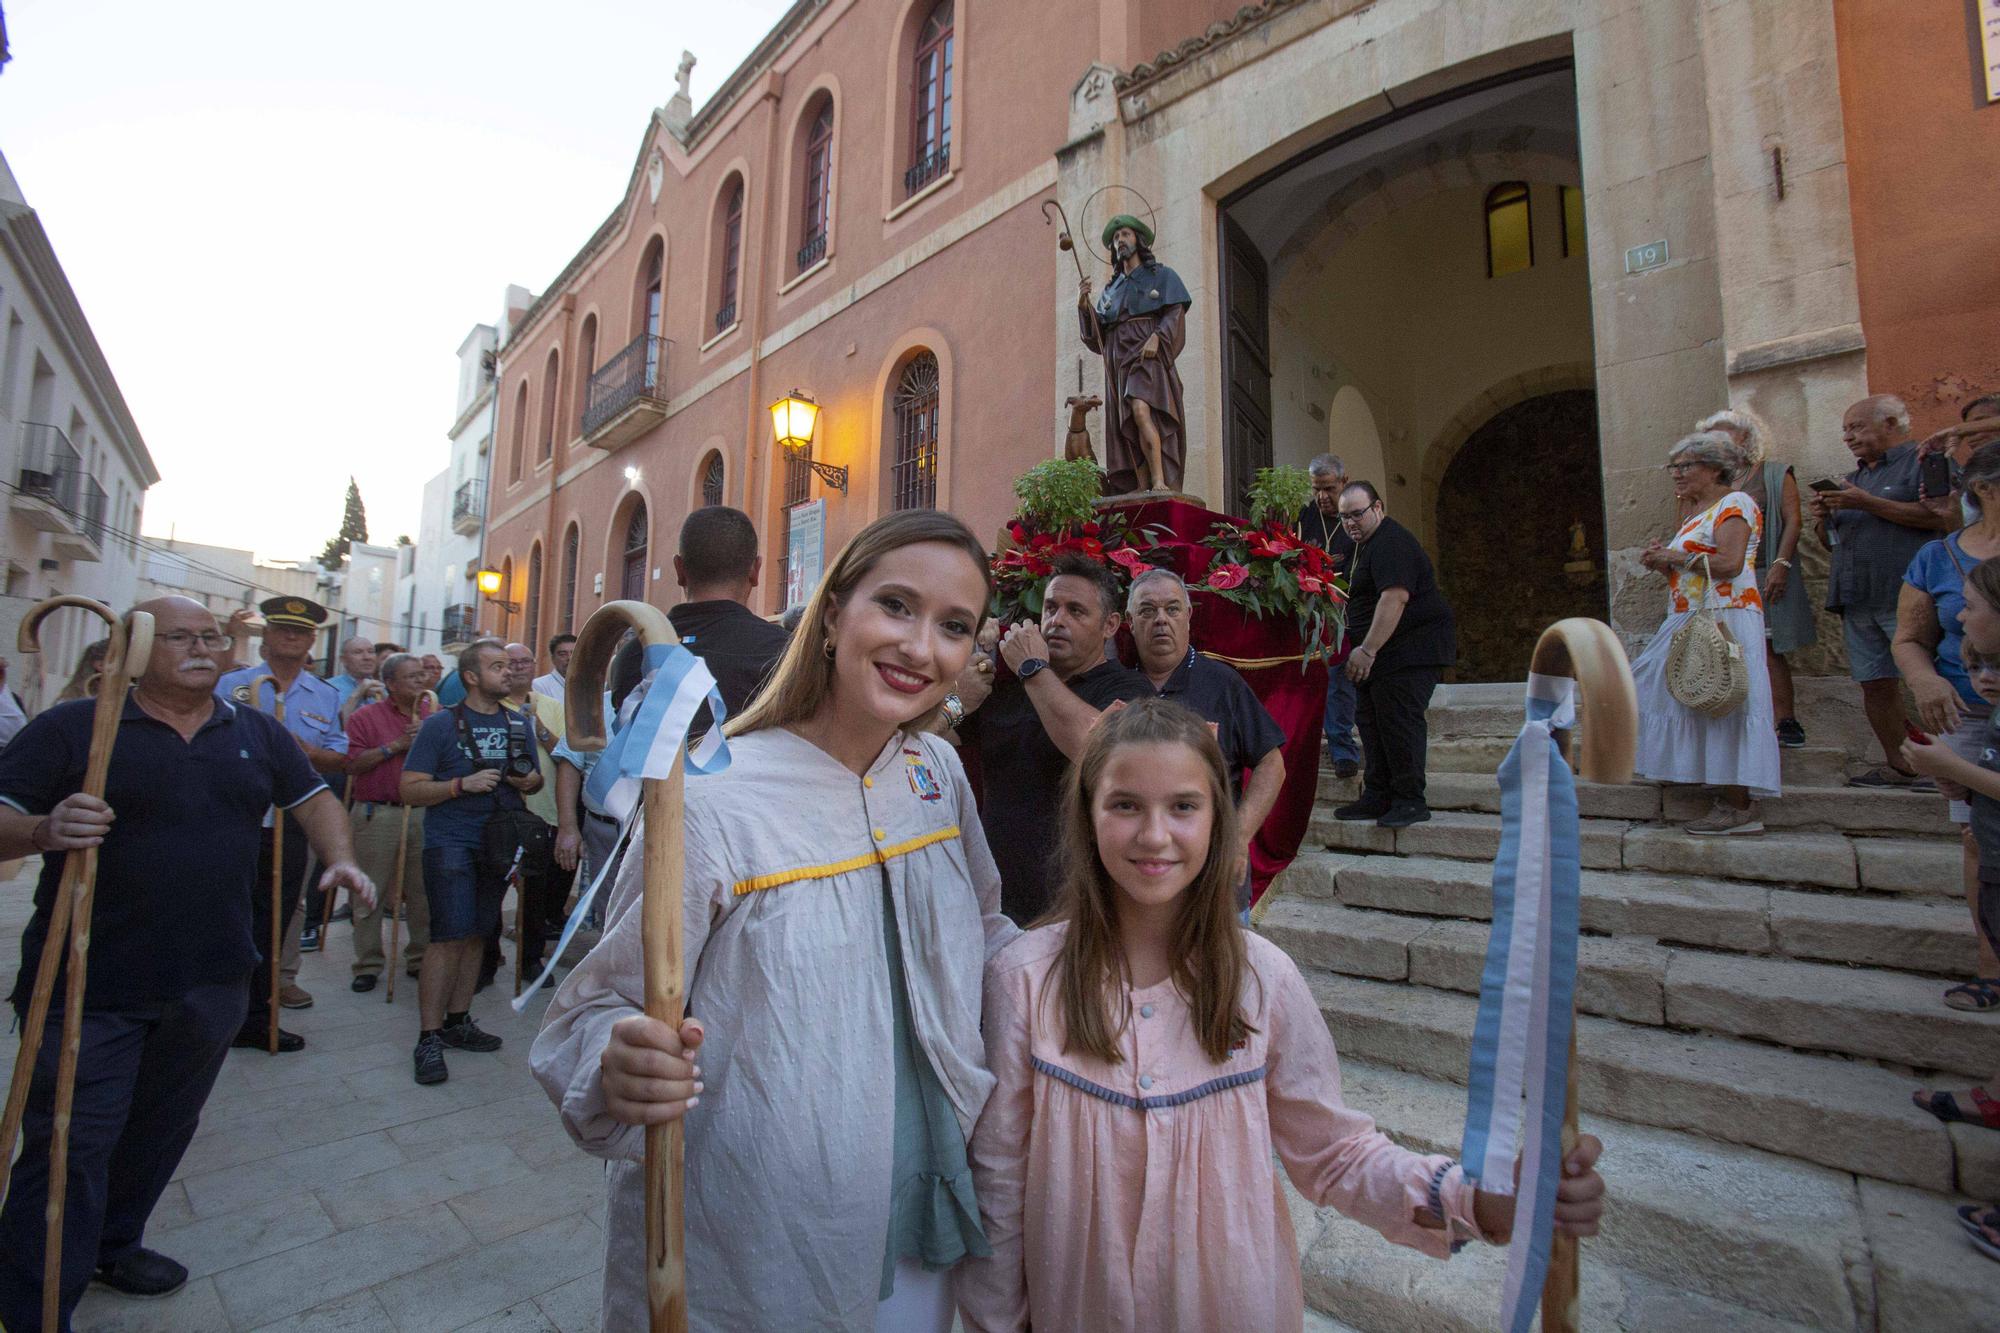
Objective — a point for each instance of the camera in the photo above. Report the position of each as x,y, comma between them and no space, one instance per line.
521,766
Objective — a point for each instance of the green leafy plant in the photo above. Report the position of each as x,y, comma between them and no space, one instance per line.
1056,493
1277,494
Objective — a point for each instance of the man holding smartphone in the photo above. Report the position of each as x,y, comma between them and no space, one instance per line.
1873,522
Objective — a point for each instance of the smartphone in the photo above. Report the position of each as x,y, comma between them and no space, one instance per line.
1825,484
1934,475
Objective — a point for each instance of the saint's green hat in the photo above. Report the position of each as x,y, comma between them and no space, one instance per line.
1127,220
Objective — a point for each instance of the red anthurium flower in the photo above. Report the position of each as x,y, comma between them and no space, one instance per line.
1092,530
1018,531
1225,577
1042,541
1309,584
1129,558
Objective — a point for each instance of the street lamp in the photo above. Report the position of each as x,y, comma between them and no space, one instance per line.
488,581
794,418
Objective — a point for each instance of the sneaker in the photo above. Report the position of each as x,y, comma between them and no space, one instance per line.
362,984
308,939
1884,776
1403,814
1368,807
430,1059
469,1036
258,1039
1722,820
295,997
142,1273
1791,735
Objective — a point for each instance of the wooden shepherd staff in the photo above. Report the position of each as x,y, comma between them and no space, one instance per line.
277,864
69,924
1601,750
660,935
395,906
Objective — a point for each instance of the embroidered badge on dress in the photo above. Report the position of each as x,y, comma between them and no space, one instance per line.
922,781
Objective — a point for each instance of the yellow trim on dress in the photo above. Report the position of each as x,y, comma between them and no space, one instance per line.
878,856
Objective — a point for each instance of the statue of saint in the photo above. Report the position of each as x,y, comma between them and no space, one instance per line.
1139,325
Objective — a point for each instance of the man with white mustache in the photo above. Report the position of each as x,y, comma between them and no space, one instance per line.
171,943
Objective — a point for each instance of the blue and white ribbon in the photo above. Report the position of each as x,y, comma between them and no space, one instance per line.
676,685
1520,1045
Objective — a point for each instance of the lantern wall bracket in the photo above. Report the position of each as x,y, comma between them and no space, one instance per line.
832,474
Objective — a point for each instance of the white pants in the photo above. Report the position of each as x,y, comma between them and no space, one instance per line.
921,1302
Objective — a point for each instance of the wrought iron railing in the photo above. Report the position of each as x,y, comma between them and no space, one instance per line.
927,169
465,501
461,624
637,372
51,468
91,511
725,317
812,251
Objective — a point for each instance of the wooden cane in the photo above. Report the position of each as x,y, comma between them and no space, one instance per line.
1602,749
660,934
131,644
277,865
395,908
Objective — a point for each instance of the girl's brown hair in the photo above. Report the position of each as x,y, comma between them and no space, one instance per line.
803,680
1209,962
1984,579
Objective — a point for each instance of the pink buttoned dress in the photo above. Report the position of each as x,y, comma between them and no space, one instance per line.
1142,1195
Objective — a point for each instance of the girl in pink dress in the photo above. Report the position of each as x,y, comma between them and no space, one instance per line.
1152,1056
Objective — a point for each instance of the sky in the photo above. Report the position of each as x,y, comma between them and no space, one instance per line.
282,219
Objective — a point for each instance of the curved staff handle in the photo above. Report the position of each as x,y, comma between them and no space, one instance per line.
660,933
1605,744
125,657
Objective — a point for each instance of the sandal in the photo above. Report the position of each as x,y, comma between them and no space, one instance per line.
1977,996
1976,1216
1944,1106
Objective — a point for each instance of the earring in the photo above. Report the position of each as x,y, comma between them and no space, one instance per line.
826,648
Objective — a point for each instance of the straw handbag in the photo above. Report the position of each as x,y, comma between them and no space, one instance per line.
1705,666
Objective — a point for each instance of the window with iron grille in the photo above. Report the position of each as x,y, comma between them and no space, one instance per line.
534,621
551,380
913,476
569,580
819,186
930,102
798,481
632,583
732,256
711,481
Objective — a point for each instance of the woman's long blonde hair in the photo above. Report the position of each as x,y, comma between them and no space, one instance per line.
83,681
1209,960
803,680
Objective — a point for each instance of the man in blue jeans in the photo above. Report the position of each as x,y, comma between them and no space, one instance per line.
470,762
1319,523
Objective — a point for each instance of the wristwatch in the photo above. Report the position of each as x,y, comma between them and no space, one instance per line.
954,711
1030,668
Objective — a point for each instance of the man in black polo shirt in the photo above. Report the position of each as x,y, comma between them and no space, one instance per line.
1319,523
717,569
1251,740
1034,723
171,947
1404,637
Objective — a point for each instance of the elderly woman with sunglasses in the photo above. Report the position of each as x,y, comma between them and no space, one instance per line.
1710,564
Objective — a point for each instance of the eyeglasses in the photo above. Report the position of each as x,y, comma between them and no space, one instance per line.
1354,515
181,639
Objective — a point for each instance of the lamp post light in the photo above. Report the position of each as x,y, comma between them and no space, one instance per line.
489,583
794,419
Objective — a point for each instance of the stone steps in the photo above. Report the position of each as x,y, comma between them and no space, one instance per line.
1696,1234
1909,934
1918,866
1845,809
1808,766
1848,1115
1805,1006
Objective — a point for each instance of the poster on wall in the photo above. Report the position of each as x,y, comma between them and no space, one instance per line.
1989,46
805,551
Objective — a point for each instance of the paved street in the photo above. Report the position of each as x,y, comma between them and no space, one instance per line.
326,1190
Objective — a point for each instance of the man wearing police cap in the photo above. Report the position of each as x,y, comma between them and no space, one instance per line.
1139,325
312,715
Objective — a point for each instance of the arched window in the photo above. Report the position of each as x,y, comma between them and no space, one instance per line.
586,365
506,630
818,187
1510,242
570,543
632,578
913,476
520,432
532,634
651,286
551,377
711,480
732,253
930,101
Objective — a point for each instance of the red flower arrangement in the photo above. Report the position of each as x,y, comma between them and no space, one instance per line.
1021,574
1269,572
